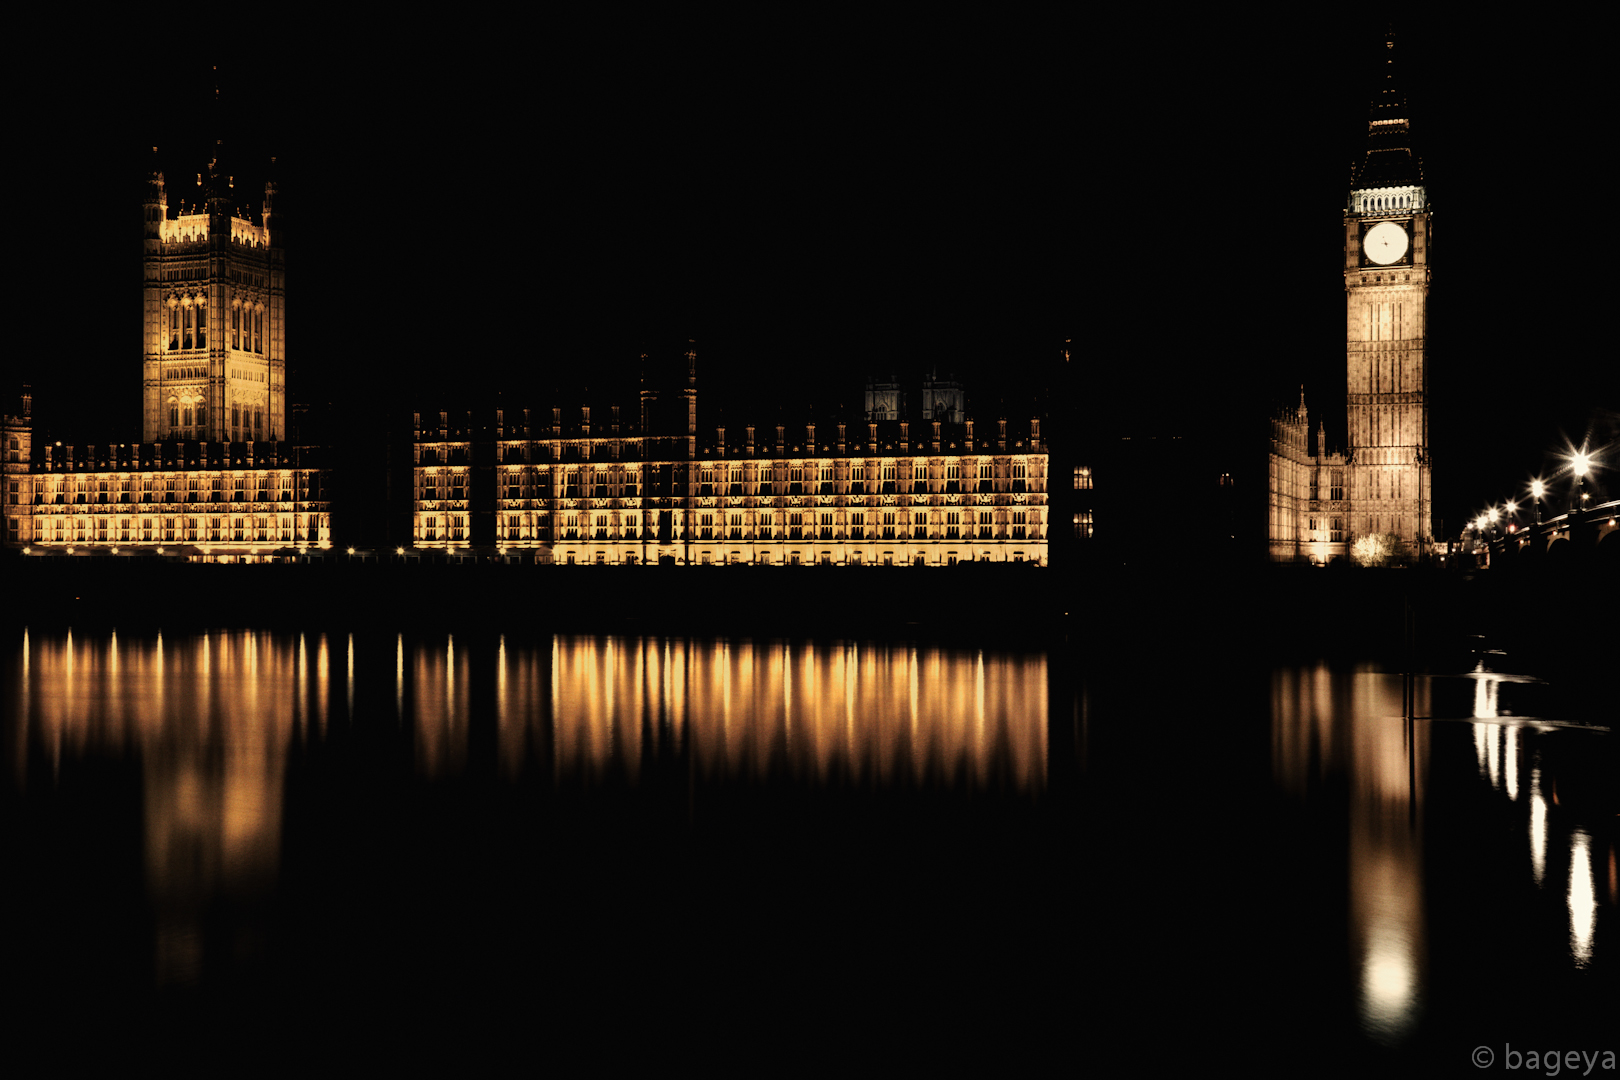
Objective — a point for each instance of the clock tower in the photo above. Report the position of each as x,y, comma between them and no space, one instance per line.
1388,235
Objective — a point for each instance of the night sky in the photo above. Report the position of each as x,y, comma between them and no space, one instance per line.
814,200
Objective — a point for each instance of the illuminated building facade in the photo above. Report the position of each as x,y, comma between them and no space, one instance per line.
202,501
881,493
214,478
1381,486
214,318
1308,509
1388,233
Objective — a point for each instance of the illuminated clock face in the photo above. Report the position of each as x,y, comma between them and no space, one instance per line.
1384,243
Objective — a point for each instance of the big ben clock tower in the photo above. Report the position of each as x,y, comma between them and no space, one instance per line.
1388,232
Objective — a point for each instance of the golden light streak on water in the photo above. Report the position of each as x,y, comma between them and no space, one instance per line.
1582,899
301,699
399,676
349,681
1538,827
322,687
802,714
1351,723
20,748
1493,754
1511,762
440,695
213,758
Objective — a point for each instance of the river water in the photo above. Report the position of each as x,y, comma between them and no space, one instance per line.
786,849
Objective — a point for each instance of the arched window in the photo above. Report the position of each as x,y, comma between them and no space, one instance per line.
202,327
185,341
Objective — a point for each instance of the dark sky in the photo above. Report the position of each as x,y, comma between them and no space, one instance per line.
814,199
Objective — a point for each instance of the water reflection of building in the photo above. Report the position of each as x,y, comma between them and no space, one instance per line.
211,719
1323,724
1328,725
870,715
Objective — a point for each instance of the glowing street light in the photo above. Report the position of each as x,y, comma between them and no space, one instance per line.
1581,463
1537,490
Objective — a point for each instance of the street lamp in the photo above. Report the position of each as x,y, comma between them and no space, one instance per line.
1581,462
1537,489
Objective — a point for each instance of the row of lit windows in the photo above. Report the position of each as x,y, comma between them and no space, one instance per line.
797,472
1335,529
199,235
188,328
619,481
806,558
263,488
1378,203
244,420
766,526
284,528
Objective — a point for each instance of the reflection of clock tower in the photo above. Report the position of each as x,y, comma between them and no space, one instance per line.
1388,229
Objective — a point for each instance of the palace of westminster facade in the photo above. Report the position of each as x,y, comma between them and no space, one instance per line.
215,478
881,493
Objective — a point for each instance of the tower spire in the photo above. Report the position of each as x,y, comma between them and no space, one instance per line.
1390,159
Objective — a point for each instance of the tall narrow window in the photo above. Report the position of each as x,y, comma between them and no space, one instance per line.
174,328
186,339
202,327
236,326
258,331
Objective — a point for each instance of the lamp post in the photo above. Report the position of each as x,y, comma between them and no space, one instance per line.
1581,462
1537,489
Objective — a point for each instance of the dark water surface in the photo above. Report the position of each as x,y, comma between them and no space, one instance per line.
771,852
